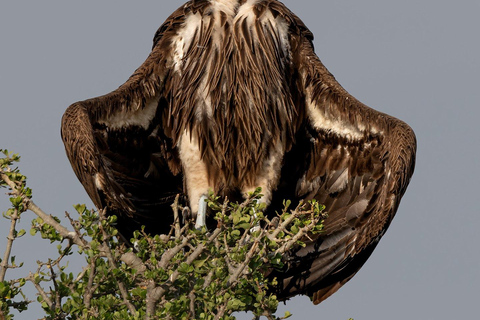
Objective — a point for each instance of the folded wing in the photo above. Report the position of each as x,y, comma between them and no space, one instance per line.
118,150
354,160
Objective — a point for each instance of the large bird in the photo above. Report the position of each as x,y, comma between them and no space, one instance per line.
233,97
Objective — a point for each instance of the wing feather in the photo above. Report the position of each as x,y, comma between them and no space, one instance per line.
357,163
118,149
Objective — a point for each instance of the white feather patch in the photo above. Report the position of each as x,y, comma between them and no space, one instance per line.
192,23
98,181
226,6
246,8
139,117
322,121
280,26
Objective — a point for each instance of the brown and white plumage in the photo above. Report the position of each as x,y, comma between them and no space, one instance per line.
233,97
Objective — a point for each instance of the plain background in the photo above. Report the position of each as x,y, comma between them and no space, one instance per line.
416,60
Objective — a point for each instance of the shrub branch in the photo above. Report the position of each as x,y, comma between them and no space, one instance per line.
188,273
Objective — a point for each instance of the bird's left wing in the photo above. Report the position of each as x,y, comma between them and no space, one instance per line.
117,145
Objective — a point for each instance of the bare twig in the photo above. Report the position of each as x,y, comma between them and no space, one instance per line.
74,224
292,241
228,261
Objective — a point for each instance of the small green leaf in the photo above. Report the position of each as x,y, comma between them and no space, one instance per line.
80,208
16,201
20,233
185,268
294,229
200,263
244,226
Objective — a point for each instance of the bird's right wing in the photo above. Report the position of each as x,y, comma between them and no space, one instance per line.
354,160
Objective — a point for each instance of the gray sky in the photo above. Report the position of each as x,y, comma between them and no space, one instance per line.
416,60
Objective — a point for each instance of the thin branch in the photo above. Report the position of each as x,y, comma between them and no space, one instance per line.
89,290
200,248
121,285
40,290
73,236
53,277
81,274
239,270
7,180
170,253
74,224
283,226
176,216
221,311
302,232
156,293
208,279
112,263
134,262
10,238
191,296
49,219
228,261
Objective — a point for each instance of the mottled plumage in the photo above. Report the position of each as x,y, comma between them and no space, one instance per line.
233,97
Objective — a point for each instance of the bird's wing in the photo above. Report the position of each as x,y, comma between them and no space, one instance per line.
357,163
117,146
